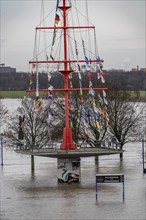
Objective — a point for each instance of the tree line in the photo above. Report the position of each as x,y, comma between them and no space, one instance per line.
125,80
33,126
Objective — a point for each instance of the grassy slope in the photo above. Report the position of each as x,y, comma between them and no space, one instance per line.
21,94
142,93
12,94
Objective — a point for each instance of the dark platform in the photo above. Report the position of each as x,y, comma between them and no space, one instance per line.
82,152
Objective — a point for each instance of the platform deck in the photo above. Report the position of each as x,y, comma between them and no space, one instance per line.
82,152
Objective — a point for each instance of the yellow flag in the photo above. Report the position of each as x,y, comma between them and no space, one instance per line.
107,124
37,104
30,83
98,125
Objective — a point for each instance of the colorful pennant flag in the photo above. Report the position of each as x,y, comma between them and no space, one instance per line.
102,79
94,103
86,58
57,19
90,84
82,99
80,77
37,103
98,59
71,124
50,114
104,93
71,85
32,74
95,109
107,116
76,48
101,66
96,115
79,67
50,95
51,57
91,92
107,124
98,125
33,65
90,75
30,82
105,101
101,72
49,77
101,111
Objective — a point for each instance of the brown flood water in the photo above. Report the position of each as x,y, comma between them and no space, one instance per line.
38,196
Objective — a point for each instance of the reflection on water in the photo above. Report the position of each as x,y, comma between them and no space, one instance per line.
37,195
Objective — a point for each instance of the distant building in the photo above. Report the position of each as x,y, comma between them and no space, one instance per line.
138,69
115,70
143,69
6,69
134,70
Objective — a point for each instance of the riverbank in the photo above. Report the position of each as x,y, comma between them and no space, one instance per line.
12,94
21,94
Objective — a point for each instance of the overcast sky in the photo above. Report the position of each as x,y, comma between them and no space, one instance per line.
120,29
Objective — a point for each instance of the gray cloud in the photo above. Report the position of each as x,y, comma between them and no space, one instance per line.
120,28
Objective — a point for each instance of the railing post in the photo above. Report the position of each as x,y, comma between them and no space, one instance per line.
143,155
2,162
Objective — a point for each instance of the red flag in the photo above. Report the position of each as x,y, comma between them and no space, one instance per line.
57,19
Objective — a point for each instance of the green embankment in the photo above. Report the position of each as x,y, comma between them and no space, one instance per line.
12,94
21,94
142,93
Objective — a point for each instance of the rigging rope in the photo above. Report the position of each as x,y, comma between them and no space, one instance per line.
89,39
98,110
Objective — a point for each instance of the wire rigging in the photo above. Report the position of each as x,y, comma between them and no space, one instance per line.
89,39
79,48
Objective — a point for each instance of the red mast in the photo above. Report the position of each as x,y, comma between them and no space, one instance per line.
67,142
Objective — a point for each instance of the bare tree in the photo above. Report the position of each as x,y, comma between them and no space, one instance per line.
30,125
83,120
3,114
123,111
92,133
125,115
56,118
36,124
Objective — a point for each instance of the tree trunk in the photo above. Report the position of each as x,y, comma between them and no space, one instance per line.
96,158
32,163
121,154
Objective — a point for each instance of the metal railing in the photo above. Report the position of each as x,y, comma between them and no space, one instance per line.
55,146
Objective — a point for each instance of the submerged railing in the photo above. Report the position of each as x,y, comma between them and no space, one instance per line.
55,146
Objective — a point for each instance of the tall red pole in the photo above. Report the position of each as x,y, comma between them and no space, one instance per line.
67,142
65,67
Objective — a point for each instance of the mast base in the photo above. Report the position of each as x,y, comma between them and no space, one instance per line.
67,142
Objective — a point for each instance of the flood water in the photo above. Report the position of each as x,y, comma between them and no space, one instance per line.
28,196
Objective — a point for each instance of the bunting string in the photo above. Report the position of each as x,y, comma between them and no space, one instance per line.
56,22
